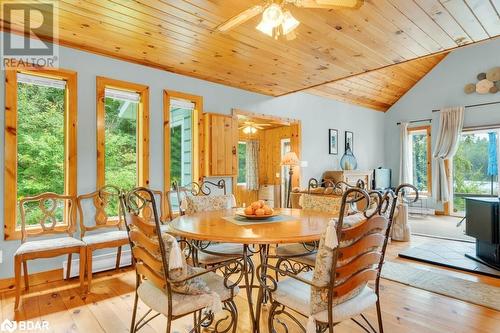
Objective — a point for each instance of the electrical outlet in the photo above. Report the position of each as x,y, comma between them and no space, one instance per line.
1,256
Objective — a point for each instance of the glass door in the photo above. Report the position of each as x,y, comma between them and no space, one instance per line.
475,167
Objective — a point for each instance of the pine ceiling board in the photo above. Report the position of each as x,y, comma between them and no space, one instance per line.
442,17
483,11
466,18
178,36
411,10
381,88
385,8
199,44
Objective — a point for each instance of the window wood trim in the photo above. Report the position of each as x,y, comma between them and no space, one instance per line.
142,128
197,137
427,129
10,148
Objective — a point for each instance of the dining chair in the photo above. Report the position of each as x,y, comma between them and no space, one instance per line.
348,260
164,281
101,224
41,216
197,197
302,256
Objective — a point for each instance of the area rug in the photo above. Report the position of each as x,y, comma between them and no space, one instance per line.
473,292
450,254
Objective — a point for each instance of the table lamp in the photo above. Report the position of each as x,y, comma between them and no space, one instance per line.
290,159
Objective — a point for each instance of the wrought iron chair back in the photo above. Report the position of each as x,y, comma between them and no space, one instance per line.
46,209
195,189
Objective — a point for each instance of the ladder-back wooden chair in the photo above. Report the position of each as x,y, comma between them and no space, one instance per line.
41,216
348,259
101,224
169,286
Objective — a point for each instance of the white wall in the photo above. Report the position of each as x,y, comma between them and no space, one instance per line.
442,87
317,114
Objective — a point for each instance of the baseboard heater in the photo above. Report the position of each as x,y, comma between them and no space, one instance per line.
100,263
421,211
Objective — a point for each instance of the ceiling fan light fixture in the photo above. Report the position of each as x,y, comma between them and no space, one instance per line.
289,23
265,27
273,15
249,130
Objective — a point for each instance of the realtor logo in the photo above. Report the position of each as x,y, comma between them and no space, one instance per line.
8,326
30,32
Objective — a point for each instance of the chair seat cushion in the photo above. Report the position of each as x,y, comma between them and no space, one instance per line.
104,237
157,298
296,249
234,251
297,296
48,244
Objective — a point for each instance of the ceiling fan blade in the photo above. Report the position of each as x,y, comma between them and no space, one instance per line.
240,18
330,4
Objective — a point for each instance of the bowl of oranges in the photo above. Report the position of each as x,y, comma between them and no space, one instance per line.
257,210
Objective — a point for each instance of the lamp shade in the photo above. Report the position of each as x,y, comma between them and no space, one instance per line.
290,159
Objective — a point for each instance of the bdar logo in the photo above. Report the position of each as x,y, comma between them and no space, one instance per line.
8,326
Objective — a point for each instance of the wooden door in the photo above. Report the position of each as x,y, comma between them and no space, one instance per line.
222,145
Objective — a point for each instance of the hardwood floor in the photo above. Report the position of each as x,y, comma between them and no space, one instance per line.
108,307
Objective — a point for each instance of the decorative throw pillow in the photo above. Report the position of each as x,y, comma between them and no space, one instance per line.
323,265
195,204
181,269
319,203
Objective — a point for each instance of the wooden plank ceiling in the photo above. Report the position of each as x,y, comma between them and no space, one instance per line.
178,36
379,89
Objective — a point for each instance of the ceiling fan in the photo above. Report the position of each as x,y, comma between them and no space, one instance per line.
276,18
249,127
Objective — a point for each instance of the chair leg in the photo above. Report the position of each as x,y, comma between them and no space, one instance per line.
379,318
26,276
118,257
17,274
68,268
89,268
134,313
81,269
270,319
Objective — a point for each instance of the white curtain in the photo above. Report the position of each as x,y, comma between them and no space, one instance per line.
252,165
404,151
451,122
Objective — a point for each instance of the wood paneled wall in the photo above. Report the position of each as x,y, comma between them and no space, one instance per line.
270,158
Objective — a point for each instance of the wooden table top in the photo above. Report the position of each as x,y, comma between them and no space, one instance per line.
306,226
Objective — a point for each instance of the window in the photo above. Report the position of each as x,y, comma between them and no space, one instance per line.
122,134
475,167
181,141
420,152
242,167
40,140
181,115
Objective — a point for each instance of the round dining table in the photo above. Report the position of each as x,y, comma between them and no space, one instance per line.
290,226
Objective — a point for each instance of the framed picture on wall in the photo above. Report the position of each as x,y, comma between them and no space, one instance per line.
333,141
349,140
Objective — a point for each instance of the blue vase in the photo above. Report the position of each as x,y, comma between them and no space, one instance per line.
348,161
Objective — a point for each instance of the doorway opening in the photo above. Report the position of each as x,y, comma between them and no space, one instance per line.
262,142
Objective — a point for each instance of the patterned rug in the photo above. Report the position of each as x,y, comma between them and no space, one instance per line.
473,292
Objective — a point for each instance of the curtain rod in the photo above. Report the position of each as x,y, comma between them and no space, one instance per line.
474,105
417,121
